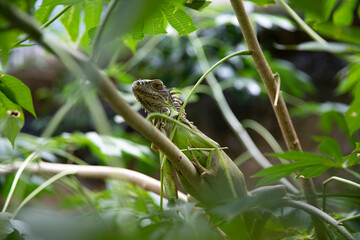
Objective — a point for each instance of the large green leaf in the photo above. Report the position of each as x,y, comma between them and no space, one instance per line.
178,18
11,118
71,21
311,158
329,147
352,116
17,92
155,24
309,164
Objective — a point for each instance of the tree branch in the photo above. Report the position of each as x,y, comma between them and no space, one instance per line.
101,172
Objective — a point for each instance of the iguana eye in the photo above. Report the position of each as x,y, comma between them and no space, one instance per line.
166,111
157,85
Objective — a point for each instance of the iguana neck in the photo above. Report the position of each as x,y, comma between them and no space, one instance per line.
156,98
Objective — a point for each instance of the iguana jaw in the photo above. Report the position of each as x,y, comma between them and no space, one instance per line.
153,96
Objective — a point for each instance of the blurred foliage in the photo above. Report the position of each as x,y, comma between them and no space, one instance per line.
73,125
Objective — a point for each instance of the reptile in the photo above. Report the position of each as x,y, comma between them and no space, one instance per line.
213,164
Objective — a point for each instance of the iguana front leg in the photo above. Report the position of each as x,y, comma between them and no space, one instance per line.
203,170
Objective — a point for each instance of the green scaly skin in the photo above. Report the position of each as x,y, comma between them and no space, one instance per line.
156,98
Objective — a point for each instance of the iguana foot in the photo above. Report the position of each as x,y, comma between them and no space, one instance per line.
204,172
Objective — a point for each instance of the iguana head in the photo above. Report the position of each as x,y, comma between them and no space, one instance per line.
156,98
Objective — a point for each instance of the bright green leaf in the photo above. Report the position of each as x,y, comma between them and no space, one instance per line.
71,21
329,147
43,13
7,39
343,15
178,18
137,33
155,24
262,2
311,158
352,116
92,16
17,92
312,172
283,170
11,118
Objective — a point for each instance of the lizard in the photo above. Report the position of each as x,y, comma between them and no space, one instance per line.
155,97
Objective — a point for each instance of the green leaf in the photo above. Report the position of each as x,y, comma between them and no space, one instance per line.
155,24
262,2
345,34
11,118
311,172
178,18
350,81
311,158
343,15
137,33
93,10
329,147
197,5
71,21
7,39
17,92
283,170
318,11
43,13
352,116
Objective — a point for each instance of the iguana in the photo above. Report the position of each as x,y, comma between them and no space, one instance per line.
156,98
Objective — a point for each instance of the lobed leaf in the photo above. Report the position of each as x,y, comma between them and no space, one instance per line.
311,172
312,158
329,147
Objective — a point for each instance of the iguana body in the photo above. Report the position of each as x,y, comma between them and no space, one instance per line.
156,98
